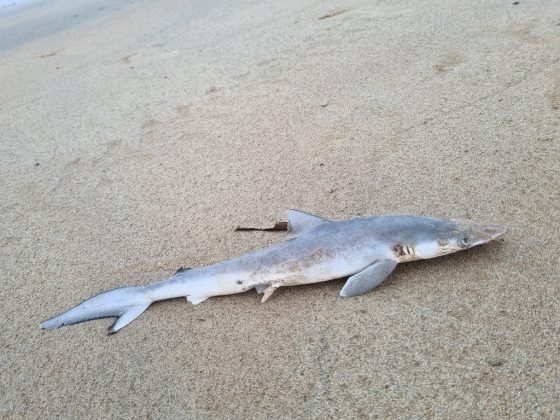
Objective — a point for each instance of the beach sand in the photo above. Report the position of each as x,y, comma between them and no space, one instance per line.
135,136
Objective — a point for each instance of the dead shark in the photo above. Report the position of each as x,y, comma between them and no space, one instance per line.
366,250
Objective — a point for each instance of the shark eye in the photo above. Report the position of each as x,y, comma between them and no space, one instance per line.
464,241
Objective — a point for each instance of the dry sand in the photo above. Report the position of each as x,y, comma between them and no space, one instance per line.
135,136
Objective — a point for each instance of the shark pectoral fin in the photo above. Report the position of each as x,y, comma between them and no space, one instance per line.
369,278
299,221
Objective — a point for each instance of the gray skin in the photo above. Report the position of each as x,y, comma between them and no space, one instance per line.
316,250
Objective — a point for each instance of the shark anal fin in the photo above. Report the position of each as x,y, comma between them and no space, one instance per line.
369,278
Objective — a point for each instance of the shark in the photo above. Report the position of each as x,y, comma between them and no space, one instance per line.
366,250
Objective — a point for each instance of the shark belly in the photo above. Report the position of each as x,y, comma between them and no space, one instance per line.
301,261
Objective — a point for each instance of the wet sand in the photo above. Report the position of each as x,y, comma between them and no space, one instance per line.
134,140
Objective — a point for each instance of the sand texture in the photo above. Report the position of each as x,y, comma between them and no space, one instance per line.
135,136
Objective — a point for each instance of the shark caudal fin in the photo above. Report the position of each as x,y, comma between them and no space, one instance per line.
125,303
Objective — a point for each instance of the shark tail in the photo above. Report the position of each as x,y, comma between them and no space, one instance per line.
124,303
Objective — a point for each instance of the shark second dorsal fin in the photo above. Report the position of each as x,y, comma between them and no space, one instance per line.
299,221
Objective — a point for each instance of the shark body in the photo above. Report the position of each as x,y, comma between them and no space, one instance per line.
366,250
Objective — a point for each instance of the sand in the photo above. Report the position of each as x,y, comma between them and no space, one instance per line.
135,136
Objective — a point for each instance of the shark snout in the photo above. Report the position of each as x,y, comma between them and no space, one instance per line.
479,233
486,233
495,231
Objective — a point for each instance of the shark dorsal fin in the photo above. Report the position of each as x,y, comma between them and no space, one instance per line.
299,221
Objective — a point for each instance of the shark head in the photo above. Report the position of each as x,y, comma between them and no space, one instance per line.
461,235
453,235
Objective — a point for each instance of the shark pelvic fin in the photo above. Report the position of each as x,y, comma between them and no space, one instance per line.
299,221
369,278
268,292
